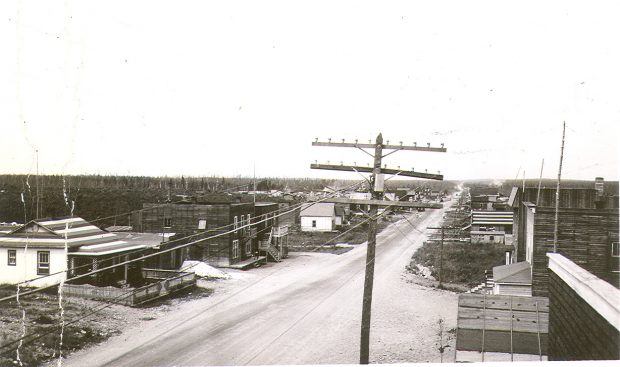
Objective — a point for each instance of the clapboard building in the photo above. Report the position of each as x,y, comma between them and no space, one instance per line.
222,215
587,231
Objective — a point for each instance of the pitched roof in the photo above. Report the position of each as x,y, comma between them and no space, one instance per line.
80,236
318,210
513,273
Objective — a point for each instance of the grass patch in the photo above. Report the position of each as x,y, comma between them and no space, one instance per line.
463,263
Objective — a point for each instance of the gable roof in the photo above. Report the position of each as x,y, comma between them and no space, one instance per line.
513,273
81,237
318,210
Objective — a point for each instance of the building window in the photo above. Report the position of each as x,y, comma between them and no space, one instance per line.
167,222
12,257
235,249
491,238
615,249
43,262
236,223
314,224
248,248
202,224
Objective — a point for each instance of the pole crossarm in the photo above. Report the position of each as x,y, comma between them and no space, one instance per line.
385,146
389,171
404,204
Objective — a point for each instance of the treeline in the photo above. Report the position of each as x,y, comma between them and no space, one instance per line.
103,199
24,197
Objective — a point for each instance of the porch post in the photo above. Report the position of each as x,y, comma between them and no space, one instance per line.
125,258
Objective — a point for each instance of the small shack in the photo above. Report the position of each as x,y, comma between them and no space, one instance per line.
318,217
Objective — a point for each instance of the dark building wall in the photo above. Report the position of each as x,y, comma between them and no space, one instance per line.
576,330
184,220
585,237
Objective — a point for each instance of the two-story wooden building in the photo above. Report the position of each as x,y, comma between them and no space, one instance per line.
587,231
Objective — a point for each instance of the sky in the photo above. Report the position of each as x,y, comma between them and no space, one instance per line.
231,88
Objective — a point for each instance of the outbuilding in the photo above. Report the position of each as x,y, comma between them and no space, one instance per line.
318,217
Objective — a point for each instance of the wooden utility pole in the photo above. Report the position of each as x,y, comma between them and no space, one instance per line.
542,165
442,228
557,194
376,188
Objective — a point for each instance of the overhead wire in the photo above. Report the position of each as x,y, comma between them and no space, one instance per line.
134,291
183,245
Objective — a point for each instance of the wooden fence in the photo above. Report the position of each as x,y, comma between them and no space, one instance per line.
168,281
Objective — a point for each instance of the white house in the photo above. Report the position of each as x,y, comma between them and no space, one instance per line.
41,250
318,217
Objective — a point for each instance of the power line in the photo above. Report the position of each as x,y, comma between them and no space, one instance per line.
167,250
111,303
355,274
376,189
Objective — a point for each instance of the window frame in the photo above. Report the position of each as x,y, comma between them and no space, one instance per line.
167,222
235,223
41,269
235,249
617,249
8,257
202,221
248,248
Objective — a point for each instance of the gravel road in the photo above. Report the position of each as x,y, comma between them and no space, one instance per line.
304,310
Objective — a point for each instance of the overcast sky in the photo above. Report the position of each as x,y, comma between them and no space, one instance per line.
220,87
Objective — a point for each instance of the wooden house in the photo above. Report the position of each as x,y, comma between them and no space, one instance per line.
46,248
318,217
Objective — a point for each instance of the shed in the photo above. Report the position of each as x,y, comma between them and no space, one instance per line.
513,279
318,217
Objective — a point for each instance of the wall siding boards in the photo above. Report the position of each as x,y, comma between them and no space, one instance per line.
576,330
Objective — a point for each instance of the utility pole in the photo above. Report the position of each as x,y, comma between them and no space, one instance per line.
542,165
376,188
442,228
557,194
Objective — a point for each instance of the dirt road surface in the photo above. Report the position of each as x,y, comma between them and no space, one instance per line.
304,310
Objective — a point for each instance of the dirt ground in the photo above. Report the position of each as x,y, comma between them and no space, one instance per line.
314,297
304,310
43,319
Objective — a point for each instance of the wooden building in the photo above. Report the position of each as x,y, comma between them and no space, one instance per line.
37,250
318,217
490,226
213,215
584,314
588,232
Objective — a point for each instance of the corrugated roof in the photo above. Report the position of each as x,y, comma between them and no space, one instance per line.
318,210
80,236
491,217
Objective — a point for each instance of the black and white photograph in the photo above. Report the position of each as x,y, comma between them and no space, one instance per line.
270,182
